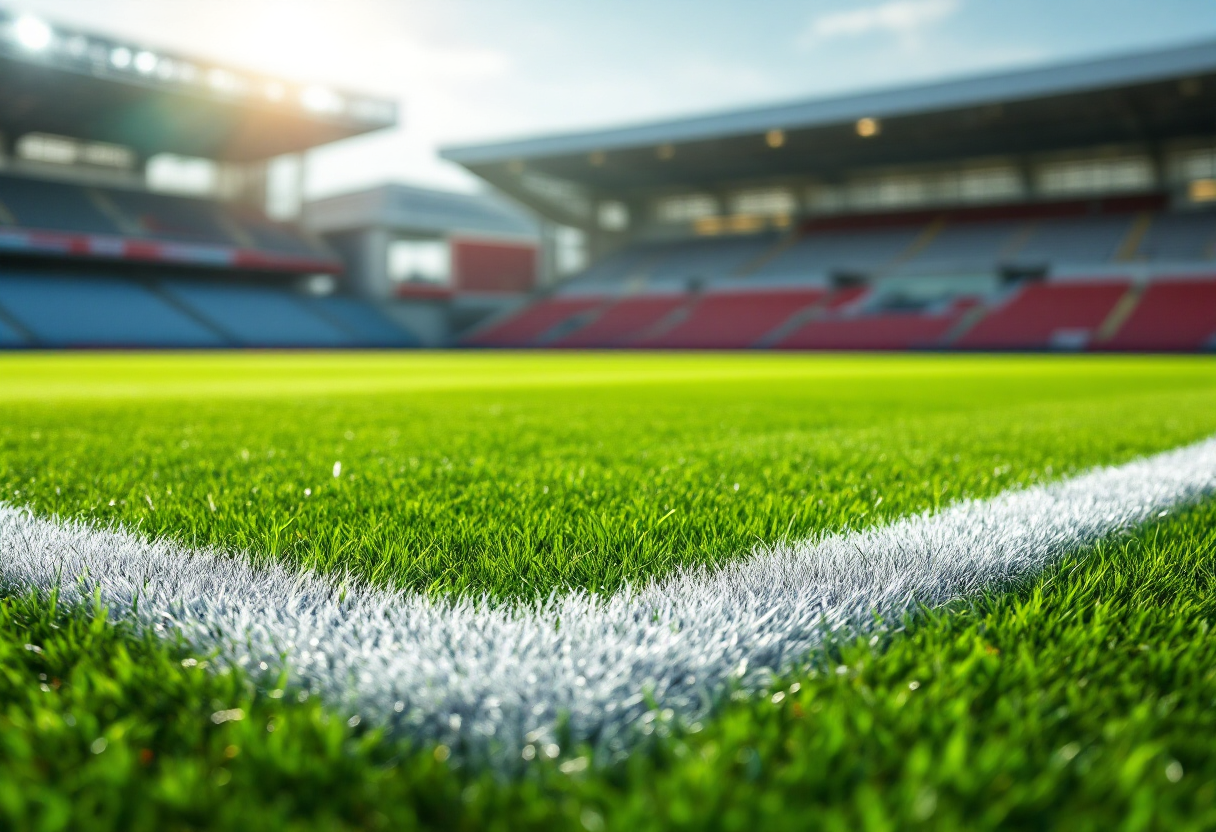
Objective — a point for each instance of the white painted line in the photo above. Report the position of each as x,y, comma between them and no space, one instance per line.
492,679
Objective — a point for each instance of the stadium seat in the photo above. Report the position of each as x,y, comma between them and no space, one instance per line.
365,324
1178,238
821,252
71,311
1074,240
877,331
1172,315
172,217
1043,315
257,316
53,206
706,258
966,247
525,327
9,337
623,321
734,319
266,235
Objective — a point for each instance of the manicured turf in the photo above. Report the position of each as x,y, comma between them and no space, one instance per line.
536,473
1081,700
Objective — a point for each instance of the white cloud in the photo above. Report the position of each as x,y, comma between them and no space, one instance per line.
901,17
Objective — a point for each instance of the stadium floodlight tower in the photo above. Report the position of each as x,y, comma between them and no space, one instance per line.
1131,125
113,118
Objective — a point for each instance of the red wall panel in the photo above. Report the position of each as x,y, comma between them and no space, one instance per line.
493,266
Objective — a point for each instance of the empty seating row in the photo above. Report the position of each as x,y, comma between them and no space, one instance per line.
1044,315
1171,315
908,330
80,310
528,326
734,320
72,311
858,250
941,245
1110,314
623,321
76,209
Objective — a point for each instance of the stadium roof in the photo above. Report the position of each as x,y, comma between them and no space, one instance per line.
1135,97
407,209
61,80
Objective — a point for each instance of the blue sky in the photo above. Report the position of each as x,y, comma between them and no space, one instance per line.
468,70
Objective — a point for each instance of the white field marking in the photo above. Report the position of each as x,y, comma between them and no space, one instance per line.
490,679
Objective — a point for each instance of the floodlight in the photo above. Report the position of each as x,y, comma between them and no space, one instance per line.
146,62
867,127
32,33
322,100
224,81
121,57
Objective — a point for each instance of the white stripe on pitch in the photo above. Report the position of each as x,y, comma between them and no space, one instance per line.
490,678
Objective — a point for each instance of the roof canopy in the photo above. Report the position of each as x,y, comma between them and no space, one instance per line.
1141,98
64,81
405,209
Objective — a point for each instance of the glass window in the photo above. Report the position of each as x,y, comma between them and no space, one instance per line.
686,208
182,175
420,261
1095,176
769,202
613,216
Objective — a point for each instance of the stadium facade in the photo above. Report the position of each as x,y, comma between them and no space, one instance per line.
1063,207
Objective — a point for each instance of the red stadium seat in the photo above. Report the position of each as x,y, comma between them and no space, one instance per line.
734,320
1172,315
1043,312
526,326
625,319
881,331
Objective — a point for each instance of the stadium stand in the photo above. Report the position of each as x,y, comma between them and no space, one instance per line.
77,311
706,258
171,218
963,247
1044,315
38,204
1171,315
363,323
902,330
1180,238
734,319
256,317
822,251
624,321
527,327
989,215
1070,241
92,254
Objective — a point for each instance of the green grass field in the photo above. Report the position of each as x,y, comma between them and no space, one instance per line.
1079,700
